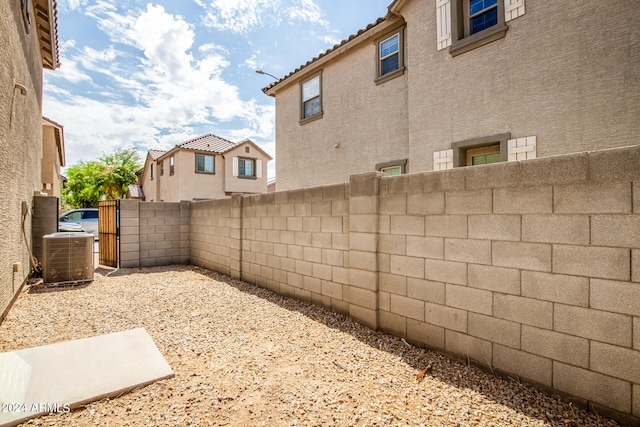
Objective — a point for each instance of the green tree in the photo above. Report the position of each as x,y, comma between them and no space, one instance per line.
83,188
105,178
120,171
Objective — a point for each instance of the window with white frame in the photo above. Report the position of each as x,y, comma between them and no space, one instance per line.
311,98
172,165
205,163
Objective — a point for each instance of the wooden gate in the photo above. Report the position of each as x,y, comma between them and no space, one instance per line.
109,232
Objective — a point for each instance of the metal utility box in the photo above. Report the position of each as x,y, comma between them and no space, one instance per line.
67,257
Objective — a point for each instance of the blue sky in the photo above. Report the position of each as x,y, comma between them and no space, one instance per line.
153,74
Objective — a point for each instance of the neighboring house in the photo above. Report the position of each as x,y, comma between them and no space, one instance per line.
206,167
28,30
449,83
53,157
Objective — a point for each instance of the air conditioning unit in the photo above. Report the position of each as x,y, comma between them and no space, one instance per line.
67,257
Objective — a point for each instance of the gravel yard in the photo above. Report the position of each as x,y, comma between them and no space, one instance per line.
244,356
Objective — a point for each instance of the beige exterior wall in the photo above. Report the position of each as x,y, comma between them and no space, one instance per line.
567,75
236,184
368,121
50,166
20,143
149,186
187,184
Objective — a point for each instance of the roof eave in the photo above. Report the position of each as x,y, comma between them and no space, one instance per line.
248,141
395,5
382,24
166,153
46,19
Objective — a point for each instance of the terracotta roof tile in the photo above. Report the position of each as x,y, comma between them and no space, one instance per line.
208,142
155,154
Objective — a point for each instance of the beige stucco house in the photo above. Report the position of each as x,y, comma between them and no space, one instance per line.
53,157
447,83
206,167
28,31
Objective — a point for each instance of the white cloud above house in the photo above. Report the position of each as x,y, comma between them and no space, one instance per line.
242,16
151,74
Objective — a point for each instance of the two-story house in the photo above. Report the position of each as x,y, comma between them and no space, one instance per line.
29,34
449,83
206,167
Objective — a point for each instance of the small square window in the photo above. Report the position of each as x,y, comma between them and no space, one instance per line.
204,163
311,97
246,167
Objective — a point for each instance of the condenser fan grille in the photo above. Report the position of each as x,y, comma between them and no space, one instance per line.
67,258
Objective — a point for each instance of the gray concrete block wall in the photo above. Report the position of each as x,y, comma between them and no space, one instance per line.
154,233
215,228
537,277
295,243
129,233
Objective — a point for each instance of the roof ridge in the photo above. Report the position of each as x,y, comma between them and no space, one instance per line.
197,138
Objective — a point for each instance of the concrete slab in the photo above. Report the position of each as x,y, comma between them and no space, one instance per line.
66,375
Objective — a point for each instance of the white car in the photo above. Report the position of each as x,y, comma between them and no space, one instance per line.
70,227
86,218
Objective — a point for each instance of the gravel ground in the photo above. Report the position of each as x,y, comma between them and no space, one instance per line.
244,356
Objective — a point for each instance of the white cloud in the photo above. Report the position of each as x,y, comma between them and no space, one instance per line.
252,62
306,11
331,40
116,26
158,88
71,5
242,16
